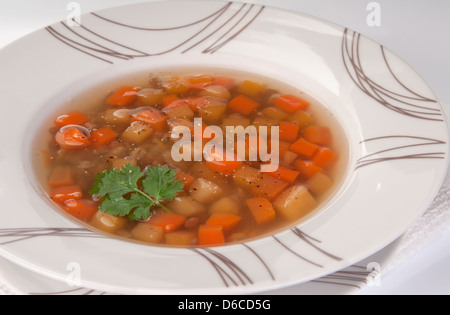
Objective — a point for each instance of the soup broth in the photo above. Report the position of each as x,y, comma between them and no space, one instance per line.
111,138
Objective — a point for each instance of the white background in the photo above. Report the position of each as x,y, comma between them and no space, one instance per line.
417,30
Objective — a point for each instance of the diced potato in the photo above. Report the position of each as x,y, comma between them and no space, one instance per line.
262,121
224,205
117,116
246,177
151,97
251,88
237,237
147,232
289,157
182,111
174,85
275,113
205,191
199,82
124,233
117,163
235,120
137,133
213,112
175,122
265,121
186,206
295,203
180,238
218,91
319,183
167,157
304,119
107,222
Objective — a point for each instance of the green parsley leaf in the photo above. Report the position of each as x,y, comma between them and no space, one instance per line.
161,183
116,183
122,194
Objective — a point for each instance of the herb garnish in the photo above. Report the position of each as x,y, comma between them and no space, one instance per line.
132,192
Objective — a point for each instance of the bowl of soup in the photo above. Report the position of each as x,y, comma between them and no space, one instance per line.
273,159
234,149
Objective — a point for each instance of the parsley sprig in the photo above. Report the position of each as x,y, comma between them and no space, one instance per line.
132,192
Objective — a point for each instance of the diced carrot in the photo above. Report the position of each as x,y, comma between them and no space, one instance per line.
224,81
200,82
102,136
187,179
268,186
258,183
169,99
72,138
61,176
304,148
168,221
290,103
244,105
195,103
324,157
153,118
307,169
318,135
218,162
83,209
123,97
226,220
262,210
63,193
75,118
210,235
285,174
289,131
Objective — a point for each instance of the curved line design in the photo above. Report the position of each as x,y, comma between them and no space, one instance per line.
233,275
407,102
21,234
399,152
230,273
353,276
76,291
217,30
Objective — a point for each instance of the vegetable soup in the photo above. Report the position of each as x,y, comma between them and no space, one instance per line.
110,164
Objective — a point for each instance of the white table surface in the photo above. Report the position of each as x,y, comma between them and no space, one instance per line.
417,30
